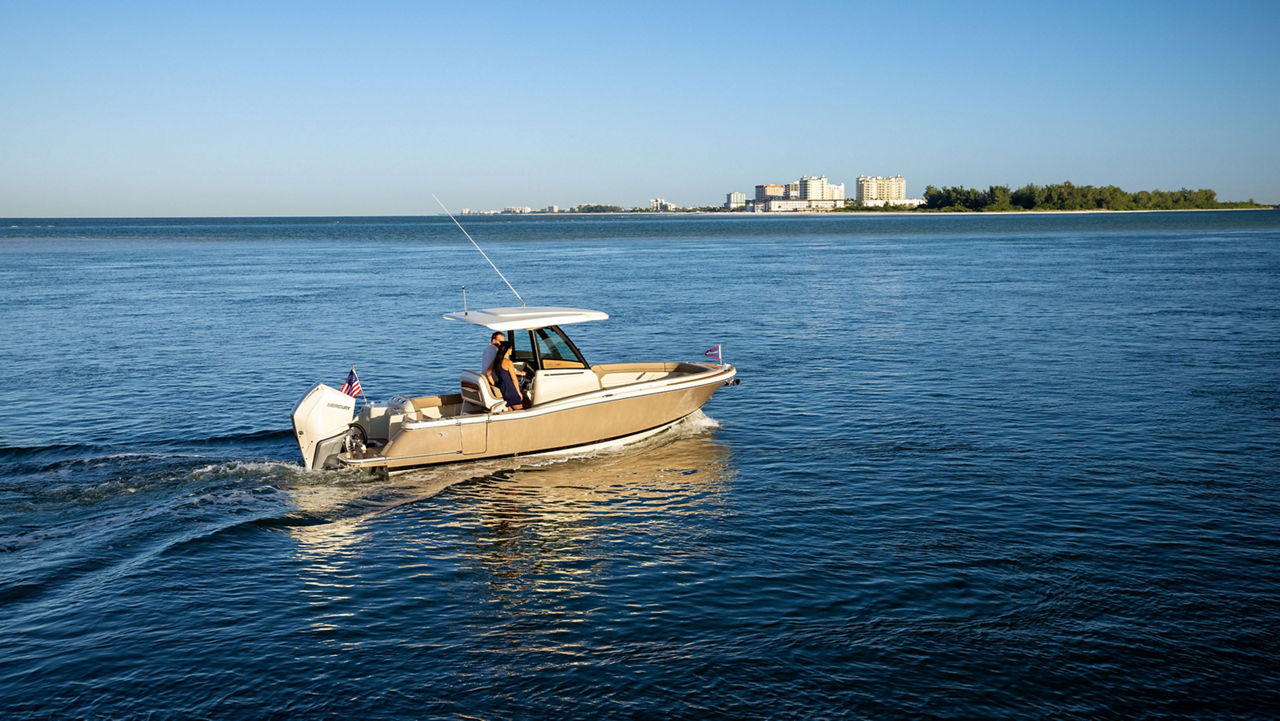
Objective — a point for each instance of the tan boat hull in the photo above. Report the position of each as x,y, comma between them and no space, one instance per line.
608,415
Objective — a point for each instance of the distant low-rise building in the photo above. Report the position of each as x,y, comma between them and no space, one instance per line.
795,205
660,204
903,203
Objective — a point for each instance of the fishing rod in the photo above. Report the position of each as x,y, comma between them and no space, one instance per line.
477,245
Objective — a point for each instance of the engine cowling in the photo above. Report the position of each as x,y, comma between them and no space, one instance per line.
320,422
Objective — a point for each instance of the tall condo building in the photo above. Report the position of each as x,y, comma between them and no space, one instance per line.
764,192
735,200
877,188
817,188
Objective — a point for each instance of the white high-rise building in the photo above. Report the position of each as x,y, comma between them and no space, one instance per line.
811,188
817,188
735,200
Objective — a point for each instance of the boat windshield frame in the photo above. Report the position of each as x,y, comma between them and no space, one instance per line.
536,338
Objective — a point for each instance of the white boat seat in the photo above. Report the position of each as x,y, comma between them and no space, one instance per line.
477,391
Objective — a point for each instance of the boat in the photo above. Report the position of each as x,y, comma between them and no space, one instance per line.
576,407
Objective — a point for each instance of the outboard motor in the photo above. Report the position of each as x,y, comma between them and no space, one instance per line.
320,423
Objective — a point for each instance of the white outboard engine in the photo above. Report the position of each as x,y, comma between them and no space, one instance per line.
320,423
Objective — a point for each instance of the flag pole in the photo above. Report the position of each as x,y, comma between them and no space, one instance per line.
362,395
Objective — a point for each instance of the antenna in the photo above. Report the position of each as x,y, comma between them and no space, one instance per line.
477,245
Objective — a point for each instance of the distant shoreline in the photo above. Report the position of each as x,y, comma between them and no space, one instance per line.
650,214
783,214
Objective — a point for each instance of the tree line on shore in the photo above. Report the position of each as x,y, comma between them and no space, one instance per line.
1068,196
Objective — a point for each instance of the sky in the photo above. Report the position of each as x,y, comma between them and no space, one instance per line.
148,109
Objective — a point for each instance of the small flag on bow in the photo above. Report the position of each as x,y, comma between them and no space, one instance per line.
352,385
713,352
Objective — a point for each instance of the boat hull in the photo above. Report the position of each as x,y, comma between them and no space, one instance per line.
609,415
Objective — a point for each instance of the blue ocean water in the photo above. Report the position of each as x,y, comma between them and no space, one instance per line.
979,467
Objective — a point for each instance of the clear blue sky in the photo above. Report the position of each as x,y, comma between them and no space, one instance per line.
313,108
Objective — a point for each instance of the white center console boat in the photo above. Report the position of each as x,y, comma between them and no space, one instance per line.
574,406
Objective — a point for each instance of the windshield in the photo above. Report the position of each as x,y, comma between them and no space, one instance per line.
556,350
522,349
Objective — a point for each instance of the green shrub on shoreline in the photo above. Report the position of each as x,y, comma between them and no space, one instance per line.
1068,196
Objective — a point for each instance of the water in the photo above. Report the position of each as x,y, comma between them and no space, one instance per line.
979,467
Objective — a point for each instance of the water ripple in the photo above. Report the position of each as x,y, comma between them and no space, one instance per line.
981,467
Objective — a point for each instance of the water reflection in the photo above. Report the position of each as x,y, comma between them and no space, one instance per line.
524,547
665,474
550,548
335,521
522,517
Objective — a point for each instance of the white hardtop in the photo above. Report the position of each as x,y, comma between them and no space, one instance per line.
526,317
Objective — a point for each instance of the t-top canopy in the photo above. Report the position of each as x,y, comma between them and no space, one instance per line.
520,317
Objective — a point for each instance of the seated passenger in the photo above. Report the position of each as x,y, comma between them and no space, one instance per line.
504,376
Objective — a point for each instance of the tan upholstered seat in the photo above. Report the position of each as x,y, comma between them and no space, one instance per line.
477,391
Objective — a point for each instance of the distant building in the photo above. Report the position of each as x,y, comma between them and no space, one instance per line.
551,209
795,205
876,188
817,188
902,203
660,204
764,192
812,188
517,209
735,200
808,193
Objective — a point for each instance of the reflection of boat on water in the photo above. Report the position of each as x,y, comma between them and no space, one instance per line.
540,534
639,481
673,476
528,542
574,406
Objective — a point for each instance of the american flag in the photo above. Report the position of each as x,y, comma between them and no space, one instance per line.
352,385
713,353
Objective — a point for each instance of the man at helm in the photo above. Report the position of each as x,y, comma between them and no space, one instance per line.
491,350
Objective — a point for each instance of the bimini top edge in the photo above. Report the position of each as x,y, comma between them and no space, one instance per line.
530,317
